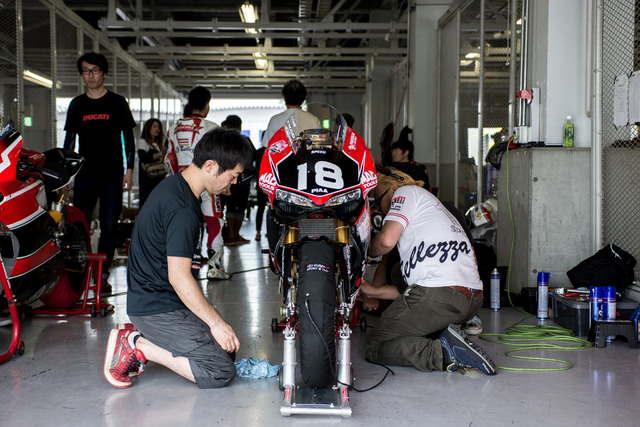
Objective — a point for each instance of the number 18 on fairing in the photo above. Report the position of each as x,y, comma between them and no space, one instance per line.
326,175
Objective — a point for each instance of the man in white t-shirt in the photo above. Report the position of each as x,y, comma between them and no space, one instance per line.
294,94
438,263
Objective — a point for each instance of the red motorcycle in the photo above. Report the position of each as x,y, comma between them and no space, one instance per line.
43,240
317,172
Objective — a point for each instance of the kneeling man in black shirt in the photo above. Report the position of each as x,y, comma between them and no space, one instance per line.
173,323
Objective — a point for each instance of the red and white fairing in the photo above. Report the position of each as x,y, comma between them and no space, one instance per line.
32,257
317,173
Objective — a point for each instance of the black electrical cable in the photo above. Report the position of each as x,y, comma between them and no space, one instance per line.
335,375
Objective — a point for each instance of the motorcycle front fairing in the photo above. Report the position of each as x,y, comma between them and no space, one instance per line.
26,223
319,174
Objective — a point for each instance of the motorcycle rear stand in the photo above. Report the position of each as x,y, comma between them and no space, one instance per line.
92,306
16,342
316,401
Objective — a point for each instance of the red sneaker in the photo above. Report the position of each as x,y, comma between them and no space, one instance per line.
128,326
121,357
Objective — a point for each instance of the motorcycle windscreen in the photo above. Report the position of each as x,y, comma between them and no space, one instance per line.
62,164
318,172
316,126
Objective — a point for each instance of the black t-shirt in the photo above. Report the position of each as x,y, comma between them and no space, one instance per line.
168,225
98,124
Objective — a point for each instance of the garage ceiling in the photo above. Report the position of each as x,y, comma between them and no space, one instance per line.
325,43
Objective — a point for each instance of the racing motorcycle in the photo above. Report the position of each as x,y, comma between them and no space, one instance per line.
43,240
317,173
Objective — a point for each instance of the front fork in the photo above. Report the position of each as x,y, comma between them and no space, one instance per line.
289,358
344,355
288,373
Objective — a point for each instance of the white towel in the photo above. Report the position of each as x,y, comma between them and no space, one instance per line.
621,100
634,97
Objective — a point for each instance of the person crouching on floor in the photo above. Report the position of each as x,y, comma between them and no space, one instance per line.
173,323
436,258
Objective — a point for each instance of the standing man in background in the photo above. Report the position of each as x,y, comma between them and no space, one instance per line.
183,137
238,200
102,121
294,94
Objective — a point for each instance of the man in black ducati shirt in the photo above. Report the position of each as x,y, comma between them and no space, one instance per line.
102,120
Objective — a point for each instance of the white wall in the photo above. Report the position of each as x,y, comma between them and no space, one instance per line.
557,65
254,117
423,76
377,104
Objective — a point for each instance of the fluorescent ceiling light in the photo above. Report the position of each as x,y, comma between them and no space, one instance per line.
249,14
38,79
149,41
472,55
261,60
121,13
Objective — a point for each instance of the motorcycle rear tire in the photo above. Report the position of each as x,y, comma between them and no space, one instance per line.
317,311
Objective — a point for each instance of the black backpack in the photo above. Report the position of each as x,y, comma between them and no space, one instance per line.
610,266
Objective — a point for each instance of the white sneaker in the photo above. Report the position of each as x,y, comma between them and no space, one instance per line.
473,326
217,274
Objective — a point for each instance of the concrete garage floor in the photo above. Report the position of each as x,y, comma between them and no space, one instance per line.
59,380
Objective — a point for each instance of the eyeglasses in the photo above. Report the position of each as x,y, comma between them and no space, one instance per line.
93,71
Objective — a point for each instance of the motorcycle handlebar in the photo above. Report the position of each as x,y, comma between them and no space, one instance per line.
386,171
247,175
31,168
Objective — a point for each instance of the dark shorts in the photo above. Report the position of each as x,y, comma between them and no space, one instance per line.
184,334
238,200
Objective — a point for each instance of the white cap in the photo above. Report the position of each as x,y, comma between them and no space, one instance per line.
568,117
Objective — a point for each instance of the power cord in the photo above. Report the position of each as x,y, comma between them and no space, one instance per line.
333,370
537,337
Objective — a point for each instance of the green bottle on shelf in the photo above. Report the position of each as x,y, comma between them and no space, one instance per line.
568,132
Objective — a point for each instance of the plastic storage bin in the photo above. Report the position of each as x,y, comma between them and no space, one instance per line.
573,314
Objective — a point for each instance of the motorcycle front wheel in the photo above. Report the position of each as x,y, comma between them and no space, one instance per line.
317,311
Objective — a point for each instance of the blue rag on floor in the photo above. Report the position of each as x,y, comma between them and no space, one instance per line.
253,368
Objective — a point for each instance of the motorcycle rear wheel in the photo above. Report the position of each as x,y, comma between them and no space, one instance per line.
70,283
317,313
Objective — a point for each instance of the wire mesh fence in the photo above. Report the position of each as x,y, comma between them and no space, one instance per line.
47,45
8,61
483,71
620,143
37,114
